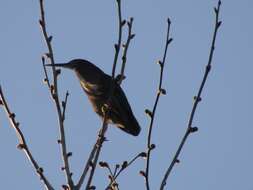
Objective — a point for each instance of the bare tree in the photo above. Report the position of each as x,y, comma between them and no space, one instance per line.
61,105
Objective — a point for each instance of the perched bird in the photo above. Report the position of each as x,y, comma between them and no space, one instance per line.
96,84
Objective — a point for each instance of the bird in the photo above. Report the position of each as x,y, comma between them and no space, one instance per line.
97,85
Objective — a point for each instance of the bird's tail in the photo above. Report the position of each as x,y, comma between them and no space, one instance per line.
130,125
122,114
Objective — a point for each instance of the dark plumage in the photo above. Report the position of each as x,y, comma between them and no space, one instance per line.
96,84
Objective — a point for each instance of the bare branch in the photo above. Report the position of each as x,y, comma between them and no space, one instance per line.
150,146
46,79
101,137
197,99
125,46
54,93
118,45
124,166
64,105
87,165
22,142
111,174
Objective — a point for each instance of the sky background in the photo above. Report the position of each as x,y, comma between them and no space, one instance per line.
218,156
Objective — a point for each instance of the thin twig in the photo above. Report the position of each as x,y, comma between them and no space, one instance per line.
152,114
101,137
94,153
114,185
46,80
54,93
87,165
121,77
118,45
126,45
64,105
22,142
111,174
124,166
197,99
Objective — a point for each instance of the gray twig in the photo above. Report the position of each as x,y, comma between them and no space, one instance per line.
150,146
54,94
124,166
94,155
125,48
197,99
22,142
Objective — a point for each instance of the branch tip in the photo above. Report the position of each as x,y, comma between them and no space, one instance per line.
196,98
124,58
54,96
149,113
123,23
21,146
162,91
124,165
50,38
93,187
116,47
12,115
115,185
132,36
69,154
159,62
43,60
168,21
91,164
103,164
193,129
143,155
65,187
208,68
48,55
169,41
45,80
219,24
152,146
63,103
142,173
40,170
215,10
41,23
58,72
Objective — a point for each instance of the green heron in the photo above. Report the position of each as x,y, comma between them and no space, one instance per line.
97,84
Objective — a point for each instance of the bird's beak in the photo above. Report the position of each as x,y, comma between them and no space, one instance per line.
64,65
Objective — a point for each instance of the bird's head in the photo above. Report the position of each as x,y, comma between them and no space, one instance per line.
85,70
75,64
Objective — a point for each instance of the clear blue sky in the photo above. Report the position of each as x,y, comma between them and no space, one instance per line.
219,156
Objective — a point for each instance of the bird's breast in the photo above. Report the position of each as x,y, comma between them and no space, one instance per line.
96,95
92,89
